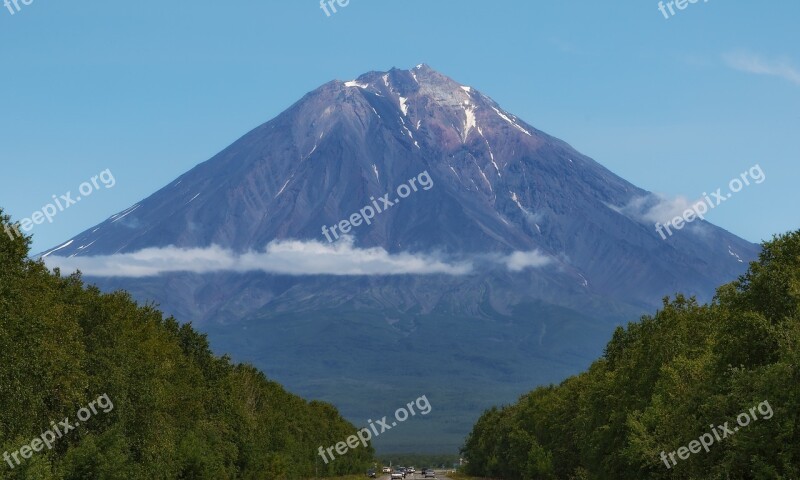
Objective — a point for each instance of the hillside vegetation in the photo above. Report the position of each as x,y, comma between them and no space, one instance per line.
665,382
178,411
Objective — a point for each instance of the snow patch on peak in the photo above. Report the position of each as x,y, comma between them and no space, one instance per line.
124,213
404,105
283,187
466,89
531,217
470,122
516,200
58,248
83,247
484,178
491,154
512,122
454,171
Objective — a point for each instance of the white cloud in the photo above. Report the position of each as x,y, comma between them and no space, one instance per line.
752,63
656,208
519,261
285,257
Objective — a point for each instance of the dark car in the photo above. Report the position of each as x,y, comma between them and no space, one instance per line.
371,473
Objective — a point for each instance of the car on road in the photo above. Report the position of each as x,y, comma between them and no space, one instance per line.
387,470
398,474
371,474
412,470
429,473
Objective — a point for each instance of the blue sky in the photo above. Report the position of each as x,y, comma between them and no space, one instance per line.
149,89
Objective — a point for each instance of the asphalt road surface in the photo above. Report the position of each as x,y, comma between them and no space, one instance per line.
417,476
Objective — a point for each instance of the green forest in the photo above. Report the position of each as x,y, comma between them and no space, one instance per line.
179,412
683,374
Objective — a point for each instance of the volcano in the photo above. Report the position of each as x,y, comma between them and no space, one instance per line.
510,271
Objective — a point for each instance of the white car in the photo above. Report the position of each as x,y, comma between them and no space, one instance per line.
397,474
386,470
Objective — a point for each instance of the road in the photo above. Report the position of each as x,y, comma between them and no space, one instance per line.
439,476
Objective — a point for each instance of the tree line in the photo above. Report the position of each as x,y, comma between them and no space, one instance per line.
179,412
663,382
